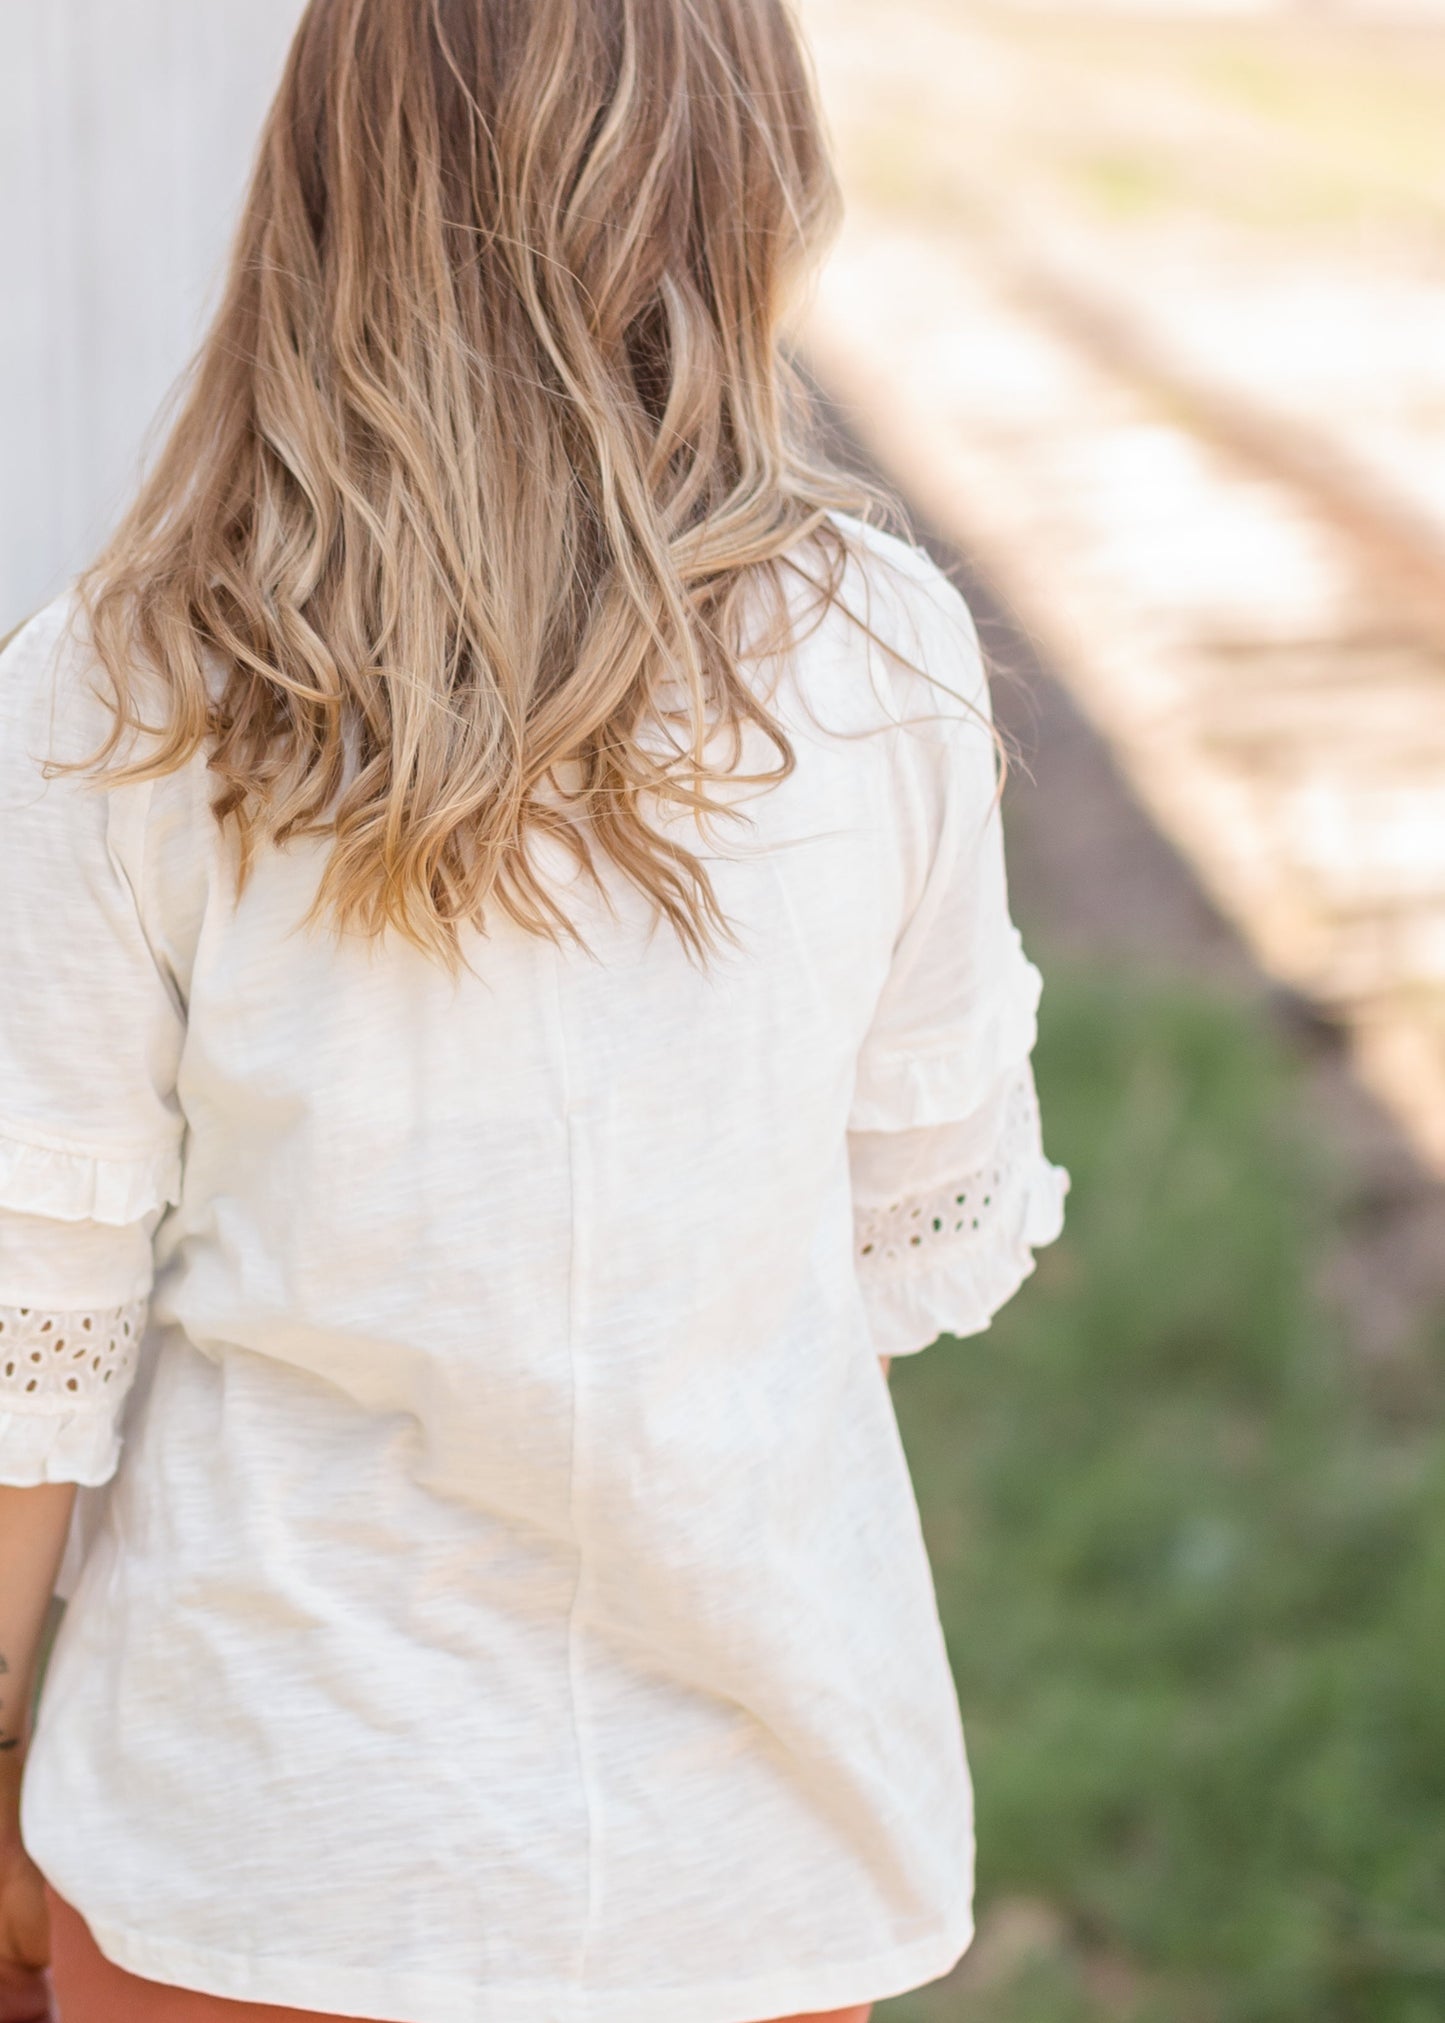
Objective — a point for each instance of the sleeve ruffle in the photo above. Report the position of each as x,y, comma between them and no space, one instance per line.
72,1186
896,1092
958,1291
81,1446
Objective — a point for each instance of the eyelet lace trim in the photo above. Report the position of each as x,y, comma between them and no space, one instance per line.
60,1362
921,1232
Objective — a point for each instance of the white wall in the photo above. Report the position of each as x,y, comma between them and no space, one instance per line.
126,130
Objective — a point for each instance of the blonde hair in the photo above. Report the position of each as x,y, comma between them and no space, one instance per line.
491,435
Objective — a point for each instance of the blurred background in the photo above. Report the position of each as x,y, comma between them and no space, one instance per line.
1143,316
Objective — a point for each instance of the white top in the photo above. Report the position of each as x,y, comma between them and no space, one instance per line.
511,1605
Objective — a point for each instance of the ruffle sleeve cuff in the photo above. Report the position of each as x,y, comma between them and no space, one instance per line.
73,1186
81,1446
944,1261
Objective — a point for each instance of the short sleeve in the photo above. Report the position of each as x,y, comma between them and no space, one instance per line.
952,1191
960,999
91,1028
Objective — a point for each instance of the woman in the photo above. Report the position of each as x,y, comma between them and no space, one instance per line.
511,1021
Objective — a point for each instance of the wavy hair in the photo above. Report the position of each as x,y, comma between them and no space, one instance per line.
492,434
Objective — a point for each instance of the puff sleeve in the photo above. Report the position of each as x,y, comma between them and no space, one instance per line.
952,1191
91,1027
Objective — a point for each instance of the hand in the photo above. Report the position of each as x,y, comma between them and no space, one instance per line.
25,1992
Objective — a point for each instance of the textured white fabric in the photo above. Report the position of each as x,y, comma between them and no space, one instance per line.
65,1265
63,1376
510,1605
72,1318
945,1256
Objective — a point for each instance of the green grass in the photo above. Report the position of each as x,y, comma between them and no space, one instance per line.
1191,1568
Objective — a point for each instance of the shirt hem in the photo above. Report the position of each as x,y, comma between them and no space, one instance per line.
438,1999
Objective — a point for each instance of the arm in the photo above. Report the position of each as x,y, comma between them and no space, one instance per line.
33,1527
92,1020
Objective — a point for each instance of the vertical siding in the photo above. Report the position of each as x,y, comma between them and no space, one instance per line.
126,129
